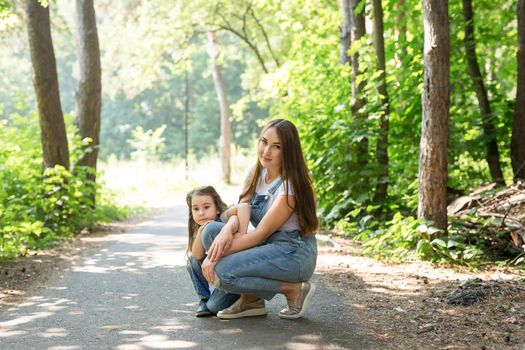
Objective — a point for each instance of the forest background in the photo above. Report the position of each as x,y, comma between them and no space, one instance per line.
184,82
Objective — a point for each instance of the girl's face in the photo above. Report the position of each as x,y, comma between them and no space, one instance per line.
203,209
270,153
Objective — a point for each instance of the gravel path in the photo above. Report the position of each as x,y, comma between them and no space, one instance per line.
133,292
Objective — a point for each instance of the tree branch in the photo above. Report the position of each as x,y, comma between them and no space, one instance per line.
265,38
228,27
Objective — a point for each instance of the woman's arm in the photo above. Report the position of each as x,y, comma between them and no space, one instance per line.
275,217
224,239
243,215
242,211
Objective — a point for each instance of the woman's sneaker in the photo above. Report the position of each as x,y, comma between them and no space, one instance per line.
242,309
297,309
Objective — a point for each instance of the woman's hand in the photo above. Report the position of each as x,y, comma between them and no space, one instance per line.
220,244
208,270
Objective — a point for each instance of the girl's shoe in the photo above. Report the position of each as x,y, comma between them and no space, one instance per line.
297,309
202,310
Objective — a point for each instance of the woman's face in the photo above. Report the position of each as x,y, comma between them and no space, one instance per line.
203,209
270,153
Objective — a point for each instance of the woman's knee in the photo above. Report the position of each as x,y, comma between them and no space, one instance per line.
210,231
227,272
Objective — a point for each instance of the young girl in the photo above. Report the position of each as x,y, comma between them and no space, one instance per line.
205,205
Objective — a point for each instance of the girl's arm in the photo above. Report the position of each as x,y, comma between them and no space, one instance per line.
224,239
275,217
197,249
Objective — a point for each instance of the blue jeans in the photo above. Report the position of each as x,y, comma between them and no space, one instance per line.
218,299
260,271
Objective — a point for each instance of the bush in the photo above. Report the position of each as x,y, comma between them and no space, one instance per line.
38,208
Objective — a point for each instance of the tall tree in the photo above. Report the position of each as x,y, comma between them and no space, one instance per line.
226,133
517,146
345,32
400,30
489,130
382,140
358,31
45,80
88,94
432,204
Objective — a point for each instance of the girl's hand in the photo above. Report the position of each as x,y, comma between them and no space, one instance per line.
201,227
220,244
208,270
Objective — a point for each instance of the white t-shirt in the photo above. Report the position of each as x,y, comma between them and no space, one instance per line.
263,188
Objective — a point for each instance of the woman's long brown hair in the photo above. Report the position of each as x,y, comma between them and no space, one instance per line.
293,171
201,191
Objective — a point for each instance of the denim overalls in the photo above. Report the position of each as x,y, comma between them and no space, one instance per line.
260,270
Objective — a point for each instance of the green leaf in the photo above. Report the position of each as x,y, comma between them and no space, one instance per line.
439,242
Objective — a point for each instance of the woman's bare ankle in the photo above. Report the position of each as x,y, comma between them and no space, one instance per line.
291,290
248,298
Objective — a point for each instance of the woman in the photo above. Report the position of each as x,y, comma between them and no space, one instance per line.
279,256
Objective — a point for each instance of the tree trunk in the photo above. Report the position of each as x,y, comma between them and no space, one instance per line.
400,31
345,32
436,102
226,133
45,80
491,143
358,31
517,145
186,123
382,139
88,94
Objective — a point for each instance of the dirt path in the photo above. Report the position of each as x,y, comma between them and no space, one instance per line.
406,305
103,291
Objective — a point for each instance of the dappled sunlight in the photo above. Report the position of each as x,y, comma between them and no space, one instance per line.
160,341
185,311
300,346
4,333
164,225
25,319
54,332
172,325
231,331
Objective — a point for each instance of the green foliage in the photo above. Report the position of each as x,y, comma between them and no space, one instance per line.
147,145
36,209
4,7
314,90
405,238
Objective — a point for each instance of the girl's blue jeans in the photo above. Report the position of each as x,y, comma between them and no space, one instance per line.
218,299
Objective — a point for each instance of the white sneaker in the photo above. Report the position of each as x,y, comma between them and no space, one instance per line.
297,309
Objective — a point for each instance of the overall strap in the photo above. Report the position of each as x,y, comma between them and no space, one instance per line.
275,187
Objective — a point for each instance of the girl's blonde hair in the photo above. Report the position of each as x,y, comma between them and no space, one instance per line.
201,191
293,171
